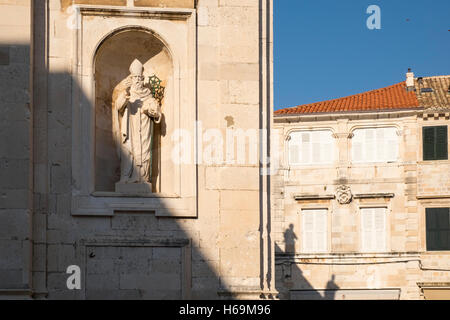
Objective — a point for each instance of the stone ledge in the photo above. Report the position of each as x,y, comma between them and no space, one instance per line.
435,196
16,294
373,195
430,285
348,255
168,13
313,197
243,293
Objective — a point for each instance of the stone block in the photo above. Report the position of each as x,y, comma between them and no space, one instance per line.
14,224
4,55
232,200
232,178
14,198
11,278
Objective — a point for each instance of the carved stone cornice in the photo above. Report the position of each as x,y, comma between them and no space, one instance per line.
373,195
300,197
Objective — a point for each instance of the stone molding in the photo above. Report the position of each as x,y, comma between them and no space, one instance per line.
300,197
433,196
373,195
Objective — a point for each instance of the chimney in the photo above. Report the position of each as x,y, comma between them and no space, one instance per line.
409,80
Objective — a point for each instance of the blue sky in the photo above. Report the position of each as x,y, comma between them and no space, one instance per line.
324,50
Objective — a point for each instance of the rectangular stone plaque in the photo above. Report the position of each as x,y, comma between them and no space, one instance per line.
119,272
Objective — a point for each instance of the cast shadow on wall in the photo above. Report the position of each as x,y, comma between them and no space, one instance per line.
129,255
291,283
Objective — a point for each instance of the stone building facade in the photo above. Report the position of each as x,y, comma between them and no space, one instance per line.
361,184
212,223
204,230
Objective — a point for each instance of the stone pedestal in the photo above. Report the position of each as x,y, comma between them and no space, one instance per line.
134,188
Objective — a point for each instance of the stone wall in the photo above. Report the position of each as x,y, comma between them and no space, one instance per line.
218,245
15,148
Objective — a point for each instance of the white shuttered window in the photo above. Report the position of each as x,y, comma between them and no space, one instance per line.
375,145
373,229
311,147
314,230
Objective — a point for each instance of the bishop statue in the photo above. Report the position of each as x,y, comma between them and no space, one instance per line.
135,113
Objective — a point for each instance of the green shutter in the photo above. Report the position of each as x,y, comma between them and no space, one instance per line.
435,143
428,143
441,143
438,229
431,229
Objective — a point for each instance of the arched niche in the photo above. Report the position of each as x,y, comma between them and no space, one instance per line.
111,65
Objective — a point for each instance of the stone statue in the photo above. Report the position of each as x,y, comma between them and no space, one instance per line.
135,112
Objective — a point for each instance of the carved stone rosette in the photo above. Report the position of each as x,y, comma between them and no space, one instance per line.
344,194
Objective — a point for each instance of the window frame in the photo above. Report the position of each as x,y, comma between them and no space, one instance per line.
435,158
329,162
326,232
426,228
352,145
386,228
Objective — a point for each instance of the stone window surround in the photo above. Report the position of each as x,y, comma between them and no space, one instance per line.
351,135
374,204
287,138
85,201
426,227
361,211
327,229
339,135
432,122
423,204
312,206
299,164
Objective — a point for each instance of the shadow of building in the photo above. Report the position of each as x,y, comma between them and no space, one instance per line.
291,282
122,253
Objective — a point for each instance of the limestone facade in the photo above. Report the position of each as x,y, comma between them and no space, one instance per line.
204,232
341,267
16,175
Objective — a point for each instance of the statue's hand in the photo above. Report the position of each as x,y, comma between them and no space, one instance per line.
152,112
128,82
122,100
151,109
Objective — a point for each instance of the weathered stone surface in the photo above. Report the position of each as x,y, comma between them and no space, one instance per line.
211,64
415,184
15,148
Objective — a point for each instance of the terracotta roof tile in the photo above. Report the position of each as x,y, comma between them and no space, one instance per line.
392,97
439,98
